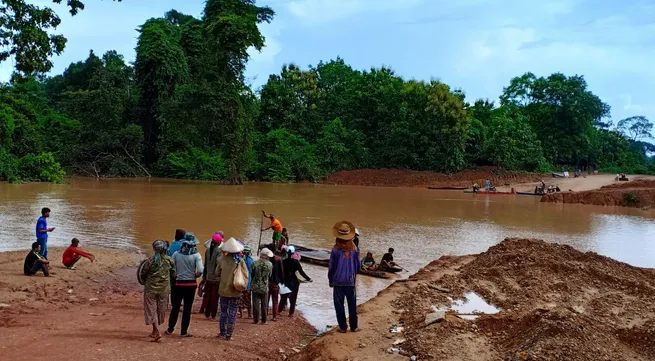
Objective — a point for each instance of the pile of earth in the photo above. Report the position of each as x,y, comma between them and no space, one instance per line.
638,193
413,178
556,303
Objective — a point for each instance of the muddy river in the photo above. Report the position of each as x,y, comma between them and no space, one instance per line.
420,224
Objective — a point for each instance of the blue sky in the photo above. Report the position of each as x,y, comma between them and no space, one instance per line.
475,45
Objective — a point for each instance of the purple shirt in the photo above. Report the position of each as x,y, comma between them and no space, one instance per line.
343,268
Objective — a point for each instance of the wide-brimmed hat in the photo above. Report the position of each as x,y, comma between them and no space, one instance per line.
266,252
344,230
232,246
190,239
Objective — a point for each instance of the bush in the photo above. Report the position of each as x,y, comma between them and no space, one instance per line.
194,164
631,199
31,168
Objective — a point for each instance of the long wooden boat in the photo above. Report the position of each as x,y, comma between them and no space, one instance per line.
321,257
490,193
448,188
388,269
529,194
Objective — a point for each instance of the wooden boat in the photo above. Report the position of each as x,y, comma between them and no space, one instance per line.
448,188
530,194
394,269
321,257
490,193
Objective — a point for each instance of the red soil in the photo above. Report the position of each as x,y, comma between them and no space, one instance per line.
642,191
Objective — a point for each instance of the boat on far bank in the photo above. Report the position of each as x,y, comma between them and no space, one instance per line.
491,193
321,257
530,194
448,188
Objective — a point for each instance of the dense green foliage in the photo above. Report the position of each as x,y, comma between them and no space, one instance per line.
183,110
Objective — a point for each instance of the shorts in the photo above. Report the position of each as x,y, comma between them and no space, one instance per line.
155,306
277,236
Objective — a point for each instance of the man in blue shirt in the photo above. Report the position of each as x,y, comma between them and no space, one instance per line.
42,231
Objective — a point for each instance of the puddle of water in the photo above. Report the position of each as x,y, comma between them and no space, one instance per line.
470,307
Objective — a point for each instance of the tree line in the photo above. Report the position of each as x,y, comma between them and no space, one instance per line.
183,110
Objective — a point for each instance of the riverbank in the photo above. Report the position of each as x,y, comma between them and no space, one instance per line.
637,193
555,303
96,313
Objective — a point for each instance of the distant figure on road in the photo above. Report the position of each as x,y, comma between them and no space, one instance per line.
42,231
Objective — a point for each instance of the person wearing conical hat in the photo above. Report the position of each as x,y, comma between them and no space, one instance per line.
342,274
229,296
212,257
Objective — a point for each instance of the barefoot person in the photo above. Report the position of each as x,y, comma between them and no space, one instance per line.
188,267
261,272
277,229
229,296
342,274
290,266
35,262
42,231
72,254
157,272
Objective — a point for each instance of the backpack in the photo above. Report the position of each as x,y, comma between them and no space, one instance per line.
241,276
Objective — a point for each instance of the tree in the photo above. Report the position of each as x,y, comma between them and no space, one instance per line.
636,128
25,34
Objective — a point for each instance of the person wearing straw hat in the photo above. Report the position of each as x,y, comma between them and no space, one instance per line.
342,274
188,267
261,272
229,296
156,273
212,257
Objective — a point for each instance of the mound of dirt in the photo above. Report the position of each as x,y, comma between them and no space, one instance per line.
412,178
556,303
637,193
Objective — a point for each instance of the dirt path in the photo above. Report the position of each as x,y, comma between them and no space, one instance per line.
556,303
101,318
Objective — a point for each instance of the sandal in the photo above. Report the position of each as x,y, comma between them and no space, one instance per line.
186,335
156,338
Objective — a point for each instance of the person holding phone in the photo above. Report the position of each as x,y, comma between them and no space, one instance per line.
42,231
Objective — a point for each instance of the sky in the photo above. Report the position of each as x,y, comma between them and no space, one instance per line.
473,45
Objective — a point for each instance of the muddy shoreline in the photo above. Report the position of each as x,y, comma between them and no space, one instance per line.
96,312
556,303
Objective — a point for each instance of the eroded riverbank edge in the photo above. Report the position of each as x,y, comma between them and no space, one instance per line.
96,312
557,303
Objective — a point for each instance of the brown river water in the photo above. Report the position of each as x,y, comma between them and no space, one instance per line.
420,224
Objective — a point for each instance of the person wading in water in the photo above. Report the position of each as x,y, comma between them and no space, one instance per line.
157,273
342,274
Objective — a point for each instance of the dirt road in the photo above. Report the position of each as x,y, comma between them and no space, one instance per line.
96,313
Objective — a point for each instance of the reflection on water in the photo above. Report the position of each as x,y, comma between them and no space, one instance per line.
420,224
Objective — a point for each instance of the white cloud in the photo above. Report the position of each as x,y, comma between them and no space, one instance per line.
272,45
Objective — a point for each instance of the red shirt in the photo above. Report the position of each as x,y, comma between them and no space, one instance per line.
71,253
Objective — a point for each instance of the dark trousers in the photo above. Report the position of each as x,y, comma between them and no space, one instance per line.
338,295
259,306
39,266
211,295
292,297
274,293
186,294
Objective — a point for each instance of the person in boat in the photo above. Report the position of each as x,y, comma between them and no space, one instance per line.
157,272
476,188
274,281
246,297
342,274
35,262
285,237
541,188
368,262
229,296
188,268
387,259
261,273
276,225
488,186
290,266
72,254
211,282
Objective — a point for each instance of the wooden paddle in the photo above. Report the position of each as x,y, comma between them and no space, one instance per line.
259,246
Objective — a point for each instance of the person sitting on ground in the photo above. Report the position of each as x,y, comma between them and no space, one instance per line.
72,254
177,244
368,262
35,262
387,259
157,272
